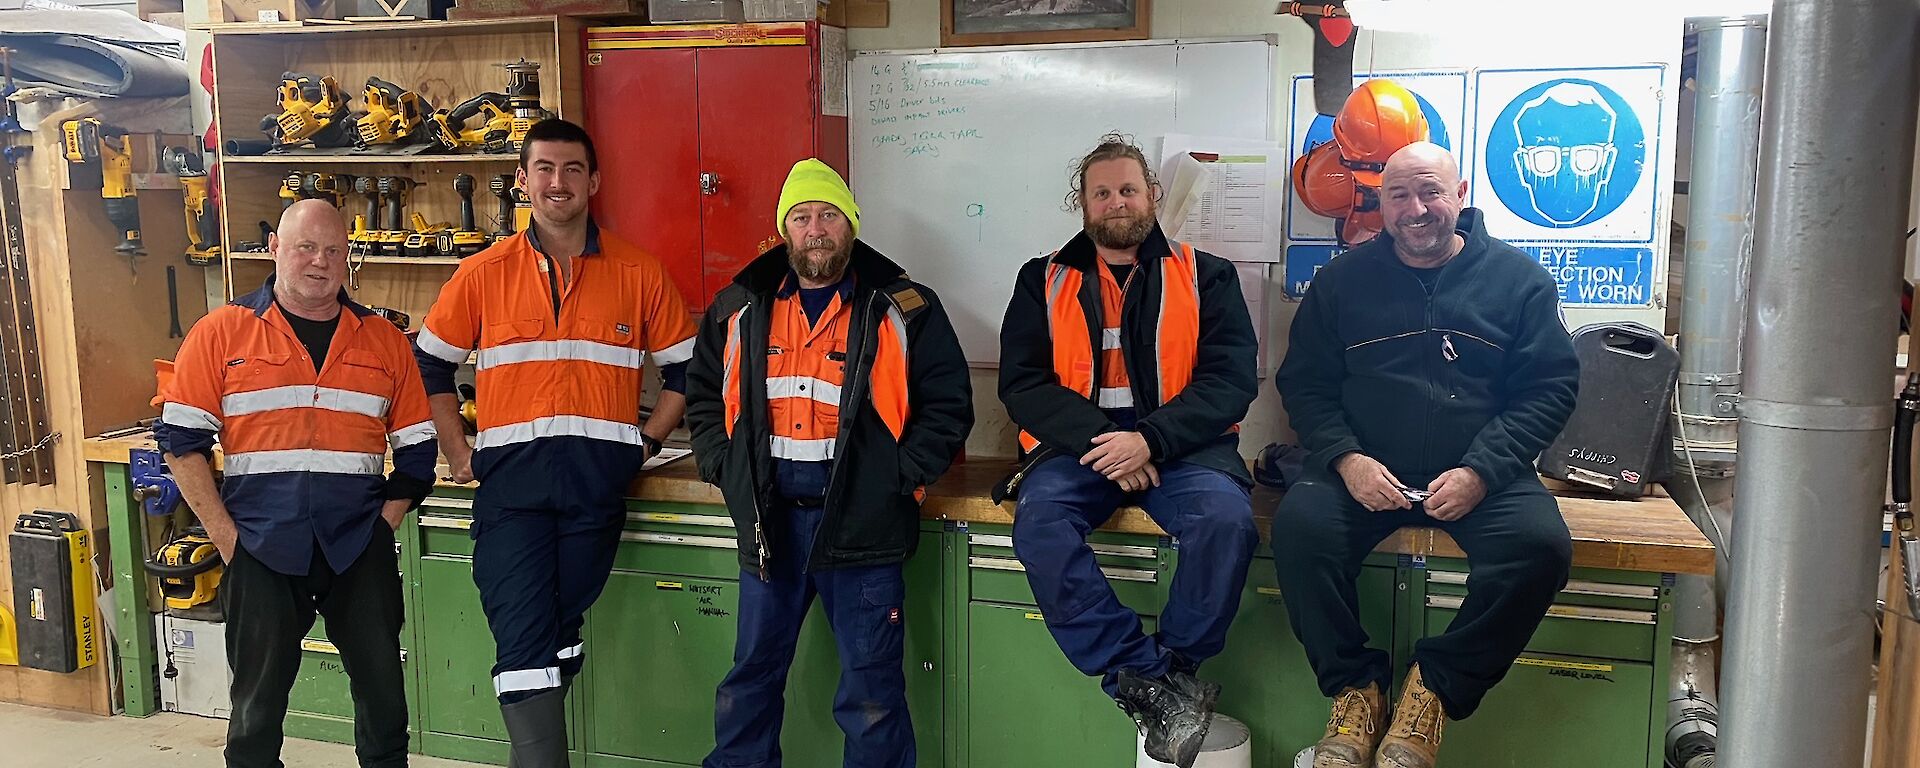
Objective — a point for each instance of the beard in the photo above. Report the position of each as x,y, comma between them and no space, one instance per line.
1429,242
819,259
1119,231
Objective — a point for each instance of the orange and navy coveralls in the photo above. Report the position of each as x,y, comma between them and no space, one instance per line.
1165,348
557,386
822,414
305,437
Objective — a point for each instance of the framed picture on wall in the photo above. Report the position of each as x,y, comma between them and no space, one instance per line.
1019,22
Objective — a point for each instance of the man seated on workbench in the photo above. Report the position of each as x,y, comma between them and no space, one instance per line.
305,390
1127,359
1427,369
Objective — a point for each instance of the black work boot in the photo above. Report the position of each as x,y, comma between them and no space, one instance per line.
537,728
1173,712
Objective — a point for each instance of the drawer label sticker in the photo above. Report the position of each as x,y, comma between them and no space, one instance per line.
1035,617
1570,670
668,585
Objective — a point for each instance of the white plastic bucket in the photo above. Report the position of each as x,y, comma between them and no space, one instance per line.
1228,745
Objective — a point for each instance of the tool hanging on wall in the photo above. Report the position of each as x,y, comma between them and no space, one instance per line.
203,217
25,453
313,110
448,127
523,100
394,116
1333,40
108,149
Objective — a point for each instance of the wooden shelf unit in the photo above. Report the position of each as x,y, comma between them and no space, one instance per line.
444,61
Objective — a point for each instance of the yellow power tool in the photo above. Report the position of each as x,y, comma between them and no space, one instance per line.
203,219
93,143
394,115
188,568
448,127
312,109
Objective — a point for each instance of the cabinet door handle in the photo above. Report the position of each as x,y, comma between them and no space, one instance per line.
709,183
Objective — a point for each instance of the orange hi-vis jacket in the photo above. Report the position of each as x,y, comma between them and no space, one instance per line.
560,359
1181,333
806,368
1176,326
305,452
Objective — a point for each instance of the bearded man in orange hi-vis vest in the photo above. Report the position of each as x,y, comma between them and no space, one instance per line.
827,390
1128,360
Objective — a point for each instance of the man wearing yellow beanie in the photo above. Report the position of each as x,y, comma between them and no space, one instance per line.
826,502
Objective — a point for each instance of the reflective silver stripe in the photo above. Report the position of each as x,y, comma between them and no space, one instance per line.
900,334
1116,397
413,435
733,348
432,345
563,349
801,450
1056,284
188,417
678,353
558,426
1110,338
526,680
804,387
304,396
305,460
571,652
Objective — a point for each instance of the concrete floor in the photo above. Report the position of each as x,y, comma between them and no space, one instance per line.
46,738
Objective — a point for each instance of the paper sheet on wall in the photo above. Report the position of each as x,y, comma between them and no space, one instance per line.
1224,195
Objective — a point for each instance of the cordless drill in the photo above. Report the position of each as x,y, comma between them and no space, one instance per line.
467,239
502,188
366,235
290,186
331,187
88,141
394,235
203,221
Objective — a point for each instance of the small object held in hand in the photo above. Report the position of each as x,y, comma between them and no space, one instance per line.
1415,496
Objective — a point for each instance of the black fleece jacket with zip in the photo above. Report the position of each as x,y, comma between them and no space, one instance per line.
1194,425
1479,373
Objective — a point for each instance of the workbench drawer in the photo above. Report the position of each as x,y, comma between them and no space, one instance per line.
1561,711
1589,618
456,672
320,706
1132,566
1265,681
1027,705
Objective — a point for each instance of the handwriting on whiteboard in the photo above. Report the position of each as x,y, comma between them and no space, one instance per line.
919,105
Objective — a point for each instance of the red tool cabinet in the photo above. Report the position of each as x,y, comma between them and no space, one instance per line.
696,127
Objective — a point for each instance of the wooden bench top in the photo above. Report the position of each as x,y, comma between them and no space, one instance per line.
1649,534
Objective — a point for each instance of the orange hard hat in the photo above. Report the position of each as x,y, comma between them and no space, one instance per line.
1379,118
1361,227
1323,184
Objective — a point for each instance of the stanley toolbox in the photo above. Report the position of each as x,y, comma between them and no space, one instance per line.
53,591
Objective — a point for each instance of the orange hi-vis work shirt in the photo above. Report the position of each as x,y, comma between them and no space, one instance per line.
806,365
305,451
560,357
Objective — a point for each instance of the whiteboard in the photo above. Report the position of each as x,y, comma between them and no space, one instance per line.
962,158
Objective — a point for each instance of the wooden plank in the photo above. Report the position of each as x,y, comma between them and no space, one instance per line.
1896,725
22,329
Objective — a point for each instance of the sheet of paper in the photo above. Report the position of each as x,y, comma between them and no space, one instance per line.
665,457
1224,195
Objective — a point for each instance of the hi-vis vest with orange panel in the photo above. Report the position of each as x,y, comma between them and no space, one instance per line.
791,377
1176,343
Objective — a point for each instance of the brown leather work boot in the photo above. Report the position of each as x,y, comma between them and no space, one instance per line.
1413,741
1353,731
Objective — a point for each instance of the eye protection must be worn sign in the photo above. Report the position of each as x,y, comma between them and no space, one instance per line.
1569,172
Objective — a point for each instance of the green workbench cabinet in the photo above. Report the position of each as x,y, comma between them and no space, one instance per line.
1265,681
320,706
1588,691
